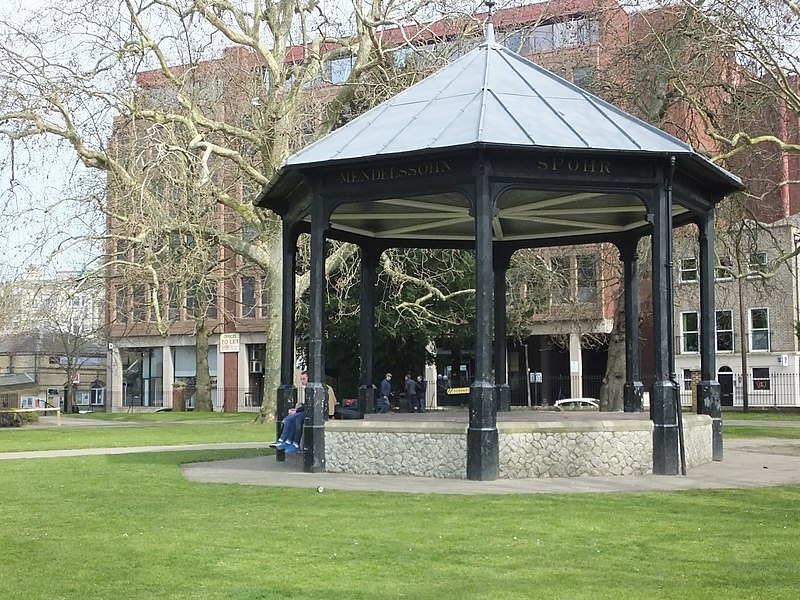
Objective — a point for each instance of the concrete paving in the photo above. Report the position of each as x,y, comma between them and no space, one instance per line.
747,463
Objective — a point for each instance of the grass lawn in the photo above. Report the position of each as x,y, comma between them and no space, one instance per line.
140,430
130,526
752,431
119,527
165,417
759,415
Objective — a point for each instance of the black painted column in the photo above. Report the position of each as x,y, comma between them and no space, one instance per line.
287,393
482,438
633,389
708,390
369,278
502,258
663,395
316,406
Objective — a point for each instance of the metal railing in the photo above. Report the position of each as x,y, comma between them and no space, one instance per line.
552,388
778,390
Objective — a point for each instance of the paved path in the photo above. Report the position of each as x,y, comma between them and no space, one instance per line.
747,463
126,450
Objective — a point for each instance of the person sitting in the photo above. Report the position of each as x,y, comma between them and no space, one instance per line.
292,426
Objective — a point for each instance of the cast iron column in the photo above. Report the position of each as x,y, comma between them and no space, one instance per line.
663,396
633,388
287,392
708,390
502,258
369,277
482,439
316,406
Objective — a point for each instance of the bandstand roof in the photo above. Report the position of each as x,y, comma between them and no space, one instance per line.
531,121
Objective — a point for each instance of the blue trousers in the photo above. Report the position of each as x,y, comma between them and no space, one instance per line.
292,429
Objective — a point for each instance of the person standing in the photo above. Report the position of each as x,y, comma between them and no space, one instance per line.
421,386
385,394
410,388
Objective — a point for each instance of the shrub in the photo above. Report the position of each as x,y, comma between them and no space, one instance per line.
13,418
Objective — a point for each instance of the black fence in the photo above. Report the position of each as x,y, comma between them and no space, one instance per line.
545,391
775,391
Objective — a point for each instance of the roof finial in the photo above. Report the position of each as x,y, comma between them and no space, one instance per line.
489,24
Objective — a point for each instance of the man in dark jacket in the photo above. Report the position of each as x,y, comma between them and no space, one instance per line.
385,393
410,387
421,386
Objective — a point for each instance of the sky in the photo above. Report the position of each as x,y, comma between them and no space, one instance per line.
33,177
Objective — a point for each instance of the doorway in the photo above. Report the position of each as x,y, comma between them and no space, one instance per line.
725,378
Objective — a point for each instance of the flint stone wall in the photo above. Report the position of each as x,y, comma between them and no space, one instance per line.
527,450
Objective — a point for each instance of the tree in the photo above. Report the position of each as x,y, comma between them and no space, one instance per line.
232,121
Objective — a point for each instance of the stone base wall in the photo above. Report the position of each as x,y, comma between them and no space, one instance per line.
697,440
422,450
527,450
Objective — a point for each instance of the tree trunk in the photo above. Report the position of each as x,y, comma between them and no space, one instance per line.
612,390
203,381
272,352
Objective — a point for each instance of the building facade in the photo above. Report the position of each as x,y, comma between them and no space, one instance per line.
756,318
52,343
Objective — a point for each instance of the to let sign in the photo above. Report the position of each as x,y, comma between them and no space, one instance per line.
229,342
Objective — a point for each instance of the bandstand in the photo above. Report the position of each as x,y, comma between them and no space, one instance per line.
493,153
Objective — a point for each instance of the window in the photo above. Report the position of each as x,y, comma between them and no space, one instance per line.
339,69
122,249
549,36
211,297
248,296
542,39
191,300
517,41
578,32
690,332
82,398
249,232
757,261
761,379
587,278
559,286
97,396
724,269
173,311
402,55
687,380
689,269
140,302
724,327
264,297
122,304
759,329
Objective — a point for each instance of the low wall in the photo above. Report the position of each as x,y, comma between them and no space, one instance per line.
527,449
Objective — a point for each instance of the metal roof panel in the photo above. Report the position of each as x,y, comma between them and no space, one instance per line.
491,95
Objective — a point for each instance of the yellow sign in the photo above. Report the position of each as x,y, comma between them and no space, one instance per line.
454,391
